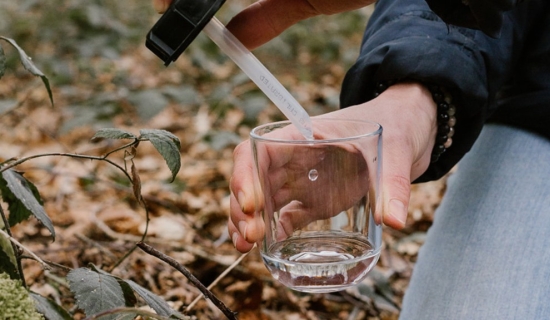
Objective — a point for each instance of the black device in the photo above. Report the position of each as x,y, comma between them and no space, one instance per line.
179,26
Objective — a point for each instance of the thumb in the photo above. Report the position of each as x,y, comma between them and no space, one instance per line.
395,197
396,188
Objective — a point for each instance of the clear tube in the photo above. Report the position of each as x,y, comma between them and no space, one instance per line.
259,74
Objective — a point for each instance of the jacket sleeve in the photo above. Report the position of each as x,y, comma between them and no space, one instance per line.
484,15
404,39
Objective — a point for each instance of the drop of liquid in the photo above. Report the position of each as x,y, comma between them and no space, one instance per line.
313,175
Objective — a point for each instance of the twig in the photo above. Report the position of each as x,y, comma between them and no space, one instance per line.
124,257
215,282
50,263
207,293
44,264
4,167
136,184
57,279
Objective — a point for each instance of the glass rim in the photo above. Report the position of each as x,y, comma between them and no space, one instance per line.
254,135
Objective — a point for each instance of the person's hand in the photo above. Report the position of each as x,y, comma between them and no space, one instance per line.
161,5
265,19
341,173
407,114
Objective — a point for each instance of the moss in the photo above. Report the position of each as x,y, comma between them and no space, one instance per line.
15,301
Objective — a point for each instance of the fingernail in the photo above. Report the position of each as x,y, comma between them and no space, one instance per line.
234,238
398,211
242,228
240,199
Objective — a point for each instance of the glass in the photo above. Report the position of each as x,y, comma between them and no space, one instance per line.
317,199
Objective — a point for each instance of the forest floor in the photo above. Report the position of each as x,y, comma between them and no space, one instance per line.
208,104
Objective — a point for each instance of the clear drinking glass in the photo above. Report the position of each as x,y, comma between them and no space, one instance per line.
317,199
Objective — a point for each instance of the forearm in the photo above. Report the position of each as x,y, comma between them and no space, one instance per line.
406,41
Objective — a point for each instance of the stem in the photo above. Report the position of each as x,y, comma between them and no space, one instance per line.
49,263
15,249
221,276
135,142
136,181
127,254
101,158
61,154
207,293
44,264
6,223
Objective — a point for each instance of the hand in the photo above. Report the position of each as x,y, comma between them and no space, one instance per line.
342,174
161,5
266,19
407,114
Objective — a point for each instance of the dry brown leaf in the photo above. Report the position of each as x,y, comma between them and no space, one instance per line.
169,227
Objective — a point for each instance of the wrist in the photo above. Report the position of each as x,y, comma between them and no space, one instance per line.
444,120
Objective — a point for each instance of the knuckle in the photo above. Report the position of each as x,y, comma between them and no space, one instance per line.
400,185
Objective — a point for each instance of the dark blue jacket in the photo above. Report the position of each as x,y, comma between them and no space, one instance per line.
504,80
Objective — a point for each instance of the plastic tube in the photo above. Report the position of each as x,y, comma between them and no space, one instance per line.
259,74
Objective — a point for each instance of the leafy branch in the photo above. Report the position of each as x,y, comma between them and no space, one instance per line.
26,61
24,201
98,293
17,243
207,293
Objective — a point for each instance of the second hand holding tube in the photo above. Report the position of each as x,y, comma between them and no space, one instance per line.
259,74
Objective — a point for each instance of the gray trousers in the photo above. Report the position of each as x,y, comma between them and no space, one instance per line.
487,254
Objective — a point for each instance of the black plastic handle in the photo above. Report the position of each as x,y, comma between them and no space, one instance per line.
179,26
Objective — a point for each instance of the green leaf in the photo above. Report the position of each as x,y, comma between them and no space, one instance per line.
2,62
157,303
8,264
50,309
18,211
95,291
23,199
168,145
27,63
129,296
112,133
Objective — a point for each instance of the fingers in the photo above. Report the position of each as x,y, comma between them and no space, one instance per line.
161,5
242,182
395,198
293,216
245,225
266,19
243,228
